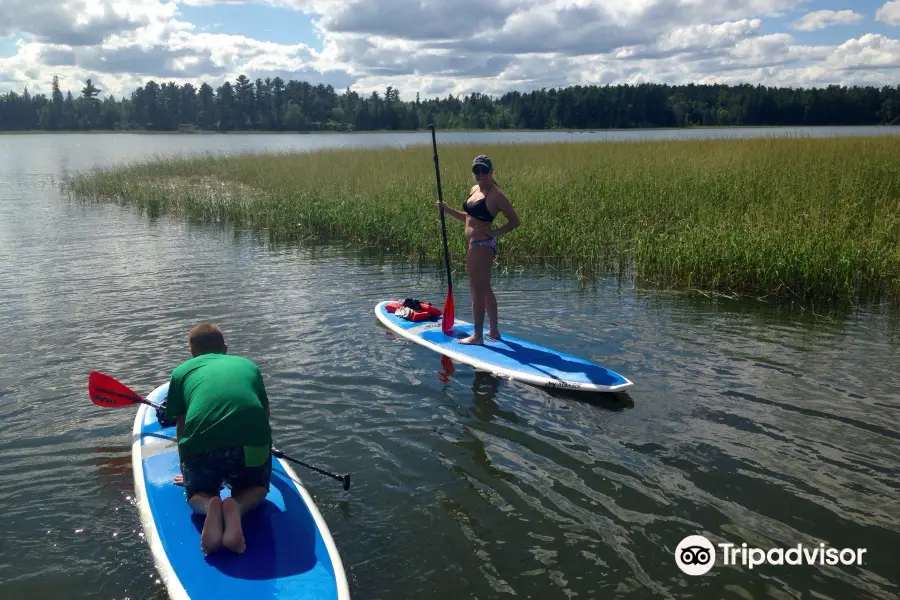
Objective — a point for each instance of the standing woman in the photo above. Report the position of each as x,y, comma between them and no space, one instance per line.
485,201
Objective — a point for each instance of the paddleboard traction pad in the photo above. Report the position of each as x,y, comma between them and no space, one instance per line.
509,357
290,552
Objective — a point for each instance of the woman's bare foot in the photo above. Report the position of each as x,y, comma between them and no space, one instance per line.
234,532
472,339
211,537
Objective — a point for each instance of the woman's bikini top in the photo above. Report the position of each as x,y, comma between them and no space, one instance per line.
479,210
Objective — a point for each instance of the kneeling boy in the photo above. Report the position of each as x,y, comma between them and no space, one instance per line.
221,411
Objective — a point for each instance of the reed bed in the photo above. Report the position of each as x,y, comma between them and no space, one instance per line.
803,218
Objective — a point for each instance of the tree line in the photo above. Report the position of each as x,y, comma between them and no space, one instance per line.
275,105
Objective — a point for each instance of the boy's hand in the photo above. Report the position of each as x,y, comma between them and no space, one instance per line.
179,479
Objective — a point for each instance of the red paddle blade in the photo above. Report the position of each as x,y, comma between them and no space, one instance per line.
447,364
447,318
107,392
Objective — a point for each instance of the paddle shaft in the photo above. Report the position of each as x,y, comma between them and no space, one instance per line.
343,478
96,388
437,174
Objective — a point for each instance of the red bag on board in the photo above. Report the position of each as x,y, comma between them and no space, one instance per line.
414,310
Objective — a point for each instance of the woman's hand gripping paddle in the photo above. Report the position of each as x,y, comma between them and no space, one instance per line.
107,392
448,312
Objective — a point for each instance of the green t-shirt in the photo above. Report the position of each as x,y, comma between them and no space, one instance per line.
223,401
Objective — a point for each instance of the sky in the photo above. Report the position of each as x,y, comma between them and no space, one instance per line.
442,47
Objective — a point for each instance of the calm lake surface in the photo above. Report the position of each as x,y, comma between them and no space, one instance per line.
746,424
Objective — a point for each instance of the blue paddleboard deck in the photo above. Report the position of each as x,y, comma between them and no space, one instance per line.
510,357
290,552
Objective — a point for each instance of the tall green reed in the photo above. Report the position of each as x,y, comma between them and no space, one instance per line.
801,218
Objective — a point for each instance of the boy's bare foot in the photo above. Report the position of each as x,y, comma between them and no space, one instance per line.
211,537
494,335
233,537
472,339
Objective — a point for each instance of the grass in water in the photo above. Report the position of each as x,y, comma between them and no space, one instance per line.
814,219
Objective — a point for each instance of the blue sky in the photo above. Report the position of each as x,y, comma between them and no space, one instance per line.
451,47
259,21
288,26
7,46
836,34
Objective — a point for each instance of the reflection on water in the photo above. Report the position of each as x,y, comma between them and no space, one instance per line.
747,423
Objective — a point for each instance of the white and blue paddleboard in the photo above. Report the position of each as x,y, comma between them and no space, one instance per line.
510,358
290,552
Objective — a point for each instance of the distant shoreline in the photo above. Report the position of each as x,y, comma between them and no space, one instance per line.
381,131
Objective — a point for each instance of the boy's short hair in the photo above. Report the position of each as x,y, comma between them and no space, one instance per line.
206,337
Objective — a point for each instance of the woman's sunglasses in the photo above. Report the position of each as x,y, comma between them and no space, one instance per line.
479,170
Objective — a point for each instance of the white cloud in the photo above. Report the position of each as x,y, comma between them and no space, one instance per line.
870,51
79,22
153,44
210,2
693,40
820,19
889,13
439,47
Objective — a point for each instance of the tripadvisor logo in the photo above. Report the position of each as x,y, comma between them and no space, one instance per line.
696,555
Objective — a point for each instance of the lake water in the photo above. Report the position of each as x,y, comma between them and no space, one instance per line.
747,424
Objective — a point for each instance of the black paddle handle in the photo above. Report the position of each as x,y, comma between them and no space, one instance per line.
437,174
342,478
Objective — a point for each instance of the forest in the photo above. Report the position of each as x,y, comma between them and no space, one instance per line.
276,105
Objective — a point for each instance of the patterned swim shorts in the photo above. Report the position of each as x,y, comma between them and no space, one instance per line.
208,472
